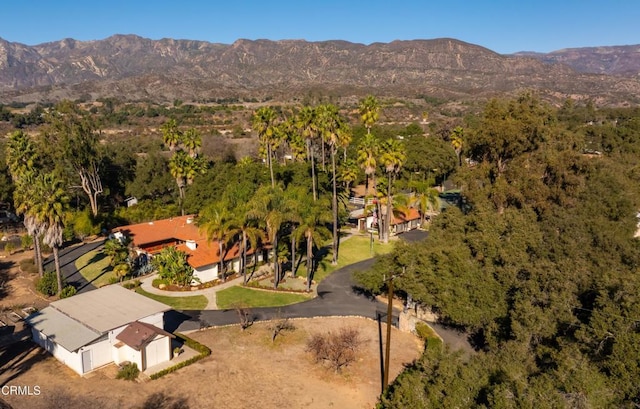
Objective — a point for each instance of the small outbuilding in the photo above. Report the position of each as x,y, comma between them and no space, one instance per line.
107,325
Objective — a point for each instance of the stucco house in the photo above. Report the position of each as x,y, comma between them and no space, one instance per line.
107,325
401,221
405,220
183,233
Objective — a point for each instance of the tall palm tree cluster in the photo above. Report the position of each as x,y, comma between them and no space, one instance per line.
372,154
185,163
319,132
39,197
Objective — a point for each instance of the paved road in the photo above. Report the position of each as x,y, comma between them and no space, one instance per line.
68,257
337,296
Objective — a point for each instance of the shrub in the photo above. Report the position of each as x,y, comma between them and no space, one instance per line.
131,284
28,266
172,266
128,372
26,241
113,280
9,247
84,225
203,350
157,281
335,349
48,284
428,335
68,291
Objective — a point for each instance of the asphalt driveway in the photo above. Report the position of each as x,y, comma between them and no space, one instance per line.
68,257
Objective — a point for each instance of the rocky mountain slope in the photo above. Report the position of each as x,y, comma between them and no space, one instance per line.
135,68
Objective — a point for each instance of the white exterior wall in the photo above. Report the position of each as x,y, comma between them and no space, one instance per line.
158,351
100,353
127,354
155,319
72,360
207,273
235,265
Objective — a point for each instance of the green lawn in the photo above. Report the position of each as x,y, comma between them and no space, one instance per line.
246,297
94,267
356,248
193,302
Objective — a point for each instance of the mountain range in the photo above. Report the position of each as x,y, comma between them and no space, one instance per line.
134,68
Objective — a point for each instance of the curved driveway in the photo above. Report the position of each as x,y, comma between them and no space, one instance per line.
337,296
68,257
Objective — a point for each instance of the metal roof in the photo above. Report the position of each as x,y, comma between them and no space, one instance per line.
108,307
62,329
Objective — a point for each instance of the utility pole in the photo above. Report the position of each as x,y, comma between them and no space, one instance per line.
387,361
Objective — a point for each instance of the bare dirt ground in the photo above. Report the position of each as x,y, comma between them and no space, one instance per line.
244,370
17,289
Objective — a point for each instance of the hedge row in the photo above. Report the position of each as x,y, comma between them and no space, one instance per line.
202,349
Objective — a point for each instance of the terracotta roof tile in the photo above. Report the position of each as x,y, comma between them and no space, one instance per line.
412,214
180,230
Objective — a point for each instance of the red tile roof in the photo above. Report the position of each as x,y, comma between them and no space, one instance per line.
177,231
401,217
181,228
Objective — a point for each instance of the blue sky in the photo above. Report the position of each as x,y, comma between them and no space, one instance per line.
502,26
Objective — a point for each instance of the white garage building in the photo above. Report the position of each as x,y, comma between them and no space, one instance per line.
108,325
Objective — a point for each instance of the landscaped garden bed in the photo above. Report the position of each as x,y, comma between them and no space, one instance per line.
165,285
296,284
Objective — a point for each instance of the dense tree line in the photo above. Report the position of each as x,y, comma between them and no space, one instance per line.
538,264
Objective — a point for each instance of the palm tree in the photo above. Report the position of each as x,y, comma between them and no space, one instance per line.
335,133
264,122
273,208
367,159
392,157
179,166
192,142
22,161
216,221
426,199
308,127
348,174
369,109
244,226
314,217
49,213
184,169
171,135
21,155
457,141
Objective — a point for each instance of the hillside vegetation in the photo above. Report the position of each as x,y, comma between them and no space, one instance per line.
538,264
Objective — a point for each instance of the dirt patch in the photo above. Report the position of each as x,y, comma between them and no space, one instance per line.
17,289
246,369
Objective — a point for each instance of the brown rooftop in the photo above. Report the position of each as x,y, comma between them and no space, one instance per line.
138,334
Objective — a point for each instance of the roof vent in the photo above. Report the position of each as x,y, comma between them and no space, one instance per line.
189,220
191,244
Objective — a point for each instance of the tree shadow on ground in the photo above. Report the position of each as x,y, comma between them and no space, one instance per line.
5,277
18,358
